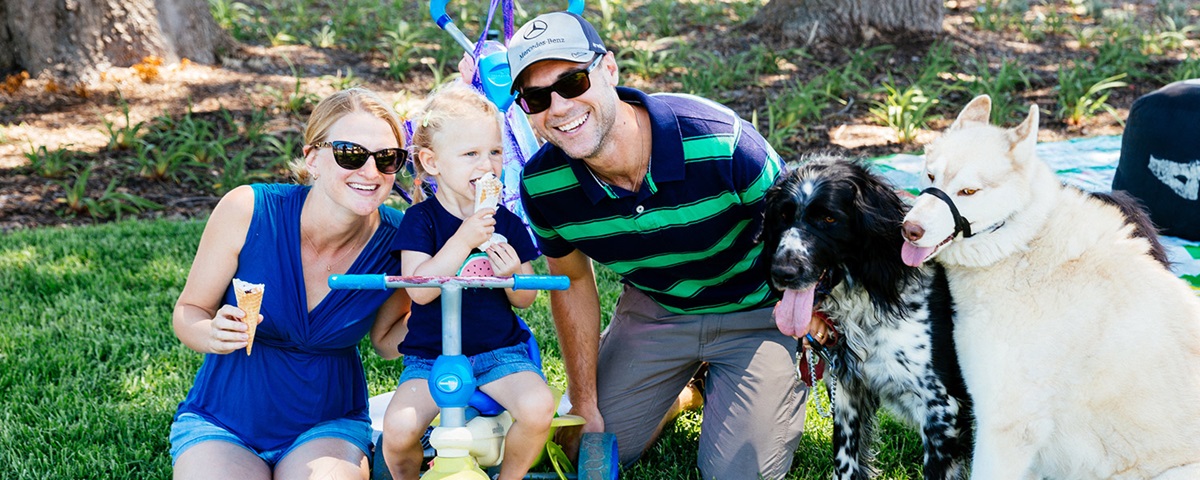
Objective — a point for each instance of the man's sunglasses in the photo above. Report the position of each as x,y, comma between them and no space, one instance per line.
352,156
570,85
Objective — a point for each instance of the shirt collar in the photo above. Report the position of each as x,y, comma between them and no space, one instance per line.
666,150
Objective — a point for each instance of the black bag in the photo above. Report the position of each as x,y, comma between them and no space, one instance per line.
1160,157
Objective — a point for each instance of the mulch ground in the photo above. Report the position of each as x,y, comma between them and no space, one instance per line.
40,113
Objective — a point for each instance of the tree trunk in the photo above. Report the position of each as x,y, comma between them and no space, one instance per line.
848,22
74,40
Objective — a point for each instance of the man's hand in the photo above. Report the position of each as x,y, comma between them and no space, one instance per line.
568,438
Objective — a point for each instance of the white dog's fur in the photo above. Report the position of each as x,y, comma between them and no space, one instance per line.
1081,352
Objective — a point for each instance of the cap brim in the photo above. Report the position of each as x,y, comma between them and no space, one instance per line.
570,55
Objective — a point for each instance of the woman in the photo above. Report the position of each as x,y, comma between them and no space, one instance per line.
295,406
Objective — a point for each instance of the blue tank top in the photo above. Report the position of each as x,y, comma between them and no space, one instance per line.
305,367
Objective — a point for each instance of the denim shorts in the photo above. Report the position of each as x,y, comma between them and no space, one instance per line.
487,366
190,430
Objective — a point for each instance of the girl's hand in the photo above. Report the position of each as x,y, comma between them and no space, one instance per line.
477,228
466,67
505,261
228,333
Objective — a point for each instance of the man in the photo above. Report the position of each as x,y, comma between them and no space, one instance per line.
667,191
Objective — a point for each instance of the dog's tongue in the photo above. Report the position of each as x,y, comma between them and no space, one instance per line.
913,255
793,313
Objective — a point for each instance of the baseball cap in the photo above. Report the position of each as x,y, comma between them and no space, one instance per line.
553,36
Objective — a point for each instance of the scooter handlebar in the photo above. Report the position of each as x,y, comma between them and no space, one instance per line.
540,282
383,282
358,282
437,10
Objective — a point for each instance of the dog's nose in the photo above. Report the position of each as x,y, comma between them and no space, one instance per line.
784,273
912,231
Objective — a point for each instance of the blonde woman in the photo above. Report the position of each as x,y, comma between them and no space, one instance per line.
295,406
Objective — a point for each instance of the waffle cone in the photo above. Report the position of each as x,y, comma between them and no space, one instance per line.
249,299
487,191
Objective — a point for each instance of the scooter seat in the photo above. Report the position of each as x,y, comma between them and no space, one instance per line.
485,404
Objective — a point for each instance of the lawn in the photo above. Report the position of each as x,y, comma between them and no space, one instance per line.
91,373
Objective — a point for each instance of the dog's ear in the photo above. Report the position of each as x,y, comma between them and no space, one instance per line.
1024,136
976,112
879,208
774,197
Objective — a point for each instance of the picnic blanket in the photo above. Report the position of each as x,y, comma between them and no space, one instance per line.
1088,164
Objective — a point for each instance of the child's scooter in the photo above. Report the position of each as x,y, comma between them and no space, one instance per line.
465,444
492,64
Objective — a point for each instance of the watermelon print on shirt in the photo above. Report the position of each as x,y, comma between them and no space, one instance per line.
488,321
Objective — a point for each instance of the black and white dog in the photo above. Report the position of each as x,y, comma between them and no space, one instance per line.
832,234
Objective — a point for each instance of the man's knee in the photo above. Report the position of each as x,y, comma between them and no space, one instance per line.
746,461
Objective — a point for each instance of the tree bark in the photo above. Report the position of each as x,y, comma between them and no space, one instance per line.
848,22
74,40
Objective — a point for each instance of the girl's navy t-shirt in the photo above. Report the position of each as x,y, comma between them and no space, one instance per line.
488,321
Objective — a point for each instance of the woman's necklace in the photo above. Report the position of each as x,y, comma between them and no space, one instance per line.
329,266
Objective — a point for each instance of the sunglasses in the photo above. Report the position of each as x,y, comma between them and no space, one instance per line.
352,156
570,85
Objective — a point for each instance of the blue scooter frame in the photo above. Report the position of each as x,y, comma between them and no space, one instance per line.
452,383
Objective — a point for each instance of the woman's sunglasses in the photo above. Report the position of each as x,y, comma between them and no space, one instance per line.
352,156
570,85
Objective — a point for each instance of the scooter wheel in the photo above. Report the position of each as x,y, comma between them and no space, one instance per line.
598,457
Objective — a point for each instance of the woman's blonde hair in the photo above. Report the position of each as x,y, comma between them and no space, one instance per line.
333,108
441,110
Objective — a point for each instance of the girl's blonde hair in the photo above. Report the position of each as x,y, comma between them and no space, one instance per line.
443,109
333,108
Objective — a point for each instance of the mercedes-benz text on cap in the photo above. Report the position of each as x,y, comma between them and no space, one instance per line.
553,36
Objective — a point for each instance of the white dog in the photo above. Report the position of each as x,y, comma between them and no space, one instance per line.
1080,350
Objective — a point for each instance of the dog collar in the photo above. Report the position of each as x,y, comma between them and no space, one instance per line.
961,224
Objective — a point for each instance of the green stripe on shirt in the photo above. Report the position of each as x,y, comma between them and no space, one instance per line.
550,181
667,260
651,221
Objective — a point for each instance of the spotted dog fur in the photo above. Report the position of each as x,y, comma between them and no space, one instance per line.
830,218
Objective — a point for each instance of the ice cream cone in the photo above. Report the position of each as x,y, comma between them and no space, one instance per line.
249,299
487,195
487,191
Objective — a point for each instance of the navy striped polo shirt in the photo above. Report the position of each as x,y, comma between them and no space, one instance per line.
688,237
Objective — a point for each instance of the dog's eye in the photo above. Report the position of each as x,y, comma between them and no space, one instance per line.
966,192
829,220
930,175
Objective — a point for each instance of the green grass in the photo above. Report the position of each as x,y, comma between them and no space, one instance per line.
91,373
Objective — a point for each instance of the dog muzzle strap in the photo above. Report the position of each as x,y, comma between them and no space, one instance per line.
961,224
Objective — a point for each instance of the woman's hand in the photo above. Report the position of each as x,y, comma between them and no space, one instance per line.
822,329
228,333
505,261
